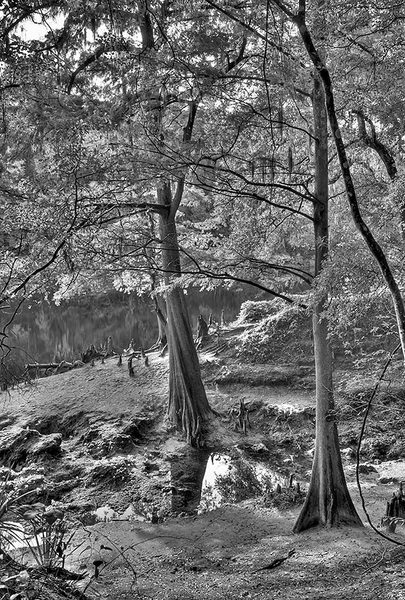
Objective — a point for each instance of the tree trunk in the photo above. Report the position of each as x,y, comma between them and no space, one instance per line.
188,404
161,342
162,337
328,502
358,220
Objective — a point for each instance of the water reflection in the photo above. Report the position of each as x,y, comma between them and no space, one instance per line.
202,481
48,332
187,474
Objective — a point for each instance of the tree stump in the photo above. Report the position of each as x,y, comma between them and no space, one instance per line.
242,416
222,319
109,346
90,354
202,331
131,347
395,510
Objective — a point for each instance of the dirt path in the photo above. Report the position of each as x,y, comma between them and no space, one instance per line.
224,554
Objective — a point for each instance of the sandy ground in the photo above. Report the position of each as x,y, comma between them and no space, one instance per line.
224,553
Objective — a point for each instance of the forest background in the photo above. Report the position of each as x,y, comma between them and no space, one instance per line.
154,146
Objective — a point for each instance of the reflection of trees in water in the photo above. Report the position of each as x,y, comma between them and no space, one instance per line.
50,332
240,483
187,475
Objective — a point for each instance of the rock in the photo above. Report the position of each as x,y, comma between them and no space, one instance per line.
377,448
260,448
364,469
90,435
149,467
122,443
387,480
48,444
138,426
102,444
45,424
15,444
6,421
348,452
367,469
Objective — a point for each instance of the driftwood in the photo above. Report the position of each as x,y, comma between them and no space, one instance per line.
41,366
60,367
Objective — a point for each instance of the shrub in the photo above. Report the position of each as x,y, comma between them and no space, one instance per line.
280,336
12,370
251,311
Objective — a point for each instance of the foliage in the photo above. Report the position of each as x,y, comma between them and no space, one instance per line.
240,483
12,369
10,530
243,482
284,498
253,311
274,338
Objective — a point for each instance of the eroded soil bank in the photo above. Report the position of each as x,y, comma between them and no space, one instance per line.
167,522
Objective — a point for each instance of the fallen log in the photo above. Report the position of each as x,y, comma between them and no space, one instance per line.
56,367
41,366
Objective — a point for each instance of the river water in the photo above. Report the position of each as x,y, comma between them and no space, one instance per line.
46,332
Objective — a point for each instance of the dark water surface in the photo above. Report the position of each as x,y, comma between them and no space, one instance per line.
47,332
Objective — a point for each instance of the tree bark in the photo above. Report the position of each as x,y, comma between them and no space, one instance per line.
162,324
328,502
188,404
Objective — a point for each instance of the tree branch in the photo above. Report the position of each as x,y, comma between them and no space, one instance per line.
372,142
87,62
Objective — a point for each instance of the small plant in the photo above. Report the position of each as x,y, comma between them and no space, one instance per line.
45,534
10,530
42,529
284,498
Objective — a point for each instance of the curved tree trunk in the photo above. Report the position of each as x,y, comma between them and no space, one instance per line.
161,341
188,404
328,502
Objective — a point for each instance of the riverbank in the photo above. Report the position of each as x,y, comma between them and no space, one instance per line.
95,443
